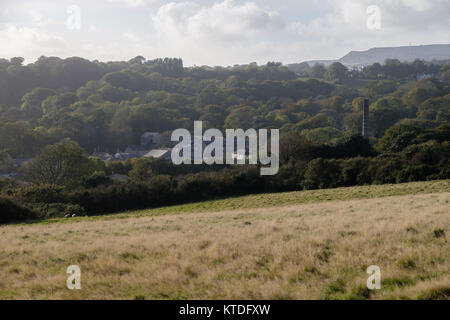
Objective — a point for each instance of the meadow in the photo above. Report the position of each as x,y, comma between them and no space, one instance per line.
298,245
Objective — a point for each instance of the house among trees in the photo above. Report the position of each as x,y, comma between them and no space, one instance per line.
143,150
9,166
159,154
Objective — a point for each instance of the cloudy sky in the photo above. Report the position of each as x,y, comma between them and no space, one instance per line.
220,32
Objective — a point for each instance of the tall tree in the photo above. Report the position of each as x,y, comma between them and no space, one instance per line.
64,164
336,72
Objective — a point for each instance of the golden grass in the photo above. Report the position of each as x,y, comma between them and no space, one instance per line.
309,251
283,199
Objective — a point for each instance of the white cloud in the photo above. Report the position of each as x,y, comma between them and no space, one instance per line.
29,42
134,3
224,21
131,36
225,32
219,32
36,16
402,22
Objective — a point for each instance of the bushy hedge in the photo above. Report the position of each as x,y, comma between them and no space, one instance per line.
164,190
12,212
48,201
319,173
44,193
57,210
42,202
349,163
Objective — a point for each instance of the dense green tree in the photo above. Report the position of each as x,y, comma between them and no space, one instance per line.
435,109
321,173
386,112
397,138
17,139
242,117
17,61
322,135
318,71
382,87
336,72
52,104
142,170
6,162
64,164
32,101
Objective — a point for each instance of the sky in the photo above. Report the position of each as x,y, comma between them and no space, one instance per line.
221,32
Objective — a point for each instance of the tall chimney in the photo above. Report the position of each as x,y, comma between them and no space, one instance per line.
366,128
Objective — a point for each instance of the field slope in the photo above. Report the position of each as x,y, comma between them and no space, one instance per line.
298,245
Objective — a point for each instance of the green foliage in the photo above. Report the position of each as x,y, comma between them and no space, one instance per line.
12,212
6,186
57,210
53,104
63,164
397,138
382,87
318,71
96,179
408,136
243,117
141,171
108,106
31,102
423,90
323,135
6,162
320,120
322,174
17,139
44,193
385,112
435,109
336,72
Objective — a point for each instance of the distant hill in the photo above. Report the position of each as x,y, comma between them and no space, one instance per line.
436,52
408,54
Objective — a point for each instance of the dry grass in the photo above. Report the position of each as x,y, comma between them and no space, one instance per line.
284,199
309,251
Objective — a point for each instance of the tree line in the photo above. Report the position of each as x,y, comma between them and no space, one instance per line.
58,111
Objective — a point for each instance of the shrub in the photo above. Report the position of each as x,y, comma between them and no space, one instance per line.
12,212
45,193
57,210
415,173
6,184
96,179
6,162
63,164
321,173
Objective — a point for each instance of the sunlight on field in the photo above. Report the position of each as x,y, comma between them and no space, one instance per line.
309,251
284,199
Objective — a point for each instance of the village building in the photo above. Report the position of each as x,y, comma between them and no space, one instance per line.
159,154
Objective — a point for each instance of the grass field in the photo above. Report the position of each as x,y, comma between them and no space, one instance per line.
298,245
